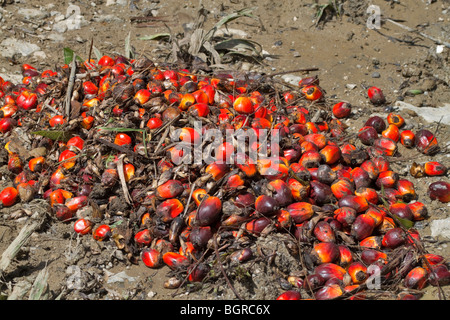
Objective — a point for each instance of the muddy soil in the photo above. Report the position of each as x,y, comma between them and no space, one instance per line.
349,56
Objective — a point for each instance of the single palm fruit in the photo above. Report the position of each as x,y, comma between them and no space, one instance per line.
363,226
300,211
407,138
359,203
169,189
198,272
369,256
387,179
386,146
401,210
290,295
345,215
175,260
416,278
82,226
208,211
376,95
217,170
407,190
342,110
329,292
369,194
434,168
325,252
68,159
367,135
151,257
241,255
266,205
358,272
243,105
8,196
256,226
169,209
345,256
280,192
372,242
394,238
439,275
426,142
102,232
439,190
392,132
324,232
329,271
342,188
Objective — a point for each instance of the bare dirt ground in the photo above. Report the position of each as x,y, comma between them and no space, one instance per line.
349,56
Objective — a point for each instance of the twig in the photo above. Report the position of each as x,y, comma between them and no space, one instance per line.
419,32
70,87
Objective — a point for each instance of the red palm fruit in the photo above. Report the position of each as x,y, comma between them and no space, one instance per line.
243,105
68,159
307,146
27,100
57,197
106,61
406,189
342,110
368,193
431,259
57,121
325,252
387,146
198,272
208,211
371,168
170,189
419,210
312,92
256,226
273,168
434,168
312,282
266,205
323,232
8,196
122,139
200,96
76,143
345,256
7,111
143,238
241,255
358,272
224,152
200,236
372,242
439,190
151,257
6,124
175,260
376,96
76,203
318,139
342,188
154,123
217,170
89,88
377,122
299,190
169,209
109,178
289,295
189,135
244,200
363,226
83,226
367,135
407,138
401,210
330,154
392,132
387,179
199,109
359,203
300,211
416,278
370,256
395,119
310,159
321,193
394,238
439,275
426,142
329,271
381,163
283,220
198,195
87,121
325,174
360,177
345,215
102,232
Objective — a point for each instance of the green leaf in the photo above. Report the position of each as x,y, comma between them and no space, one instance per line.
404,222
156,36
57,135
68,56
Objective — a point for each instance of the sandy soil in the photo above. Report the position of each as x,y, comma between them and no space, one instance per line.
349,56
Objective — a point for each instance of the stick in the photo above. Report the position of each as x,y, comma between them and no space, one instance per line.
70,87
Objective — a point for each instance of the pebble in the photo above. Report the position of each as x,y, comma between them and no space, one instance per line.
440,227
11,46
376,75
33,14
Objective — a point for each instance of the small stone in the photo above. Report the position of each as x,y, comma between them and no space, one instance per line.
376,75
60,27
11,46
33,14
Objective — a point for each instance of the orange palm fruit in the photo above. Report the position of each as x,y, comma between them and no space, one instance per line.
325,252
372,242
256,226
385,145
369,194
76,203
434,168
387,179
329,271
430,259
419,210
310,159
406,190
300,191
217,170
198,195
407,138
377,214
395,119
392,132
300,211
324,232
187,100
330,154
170,189
8,196
342,188
345,256
312,92
359,203
346,216
358,272
243,105
371,168
290,295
